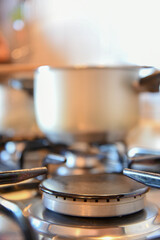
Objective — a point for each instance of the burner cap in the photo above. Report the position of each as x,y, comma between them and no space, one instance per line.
94,195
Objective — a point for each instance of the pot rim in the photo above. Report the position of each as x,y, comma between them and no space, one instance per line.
7,69
91,67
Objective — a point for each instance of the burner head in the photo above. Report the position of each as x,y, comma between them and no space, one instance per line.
94,195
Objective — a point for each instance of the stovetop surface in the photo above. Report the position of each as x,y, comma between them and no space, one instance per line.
144,224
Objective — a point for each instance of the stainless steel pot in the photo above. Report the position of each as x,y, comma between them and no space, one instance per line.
86,103
17,110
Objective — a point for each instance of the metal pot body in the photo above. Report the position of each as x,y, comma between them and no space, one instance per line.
84,103
16,112
17,109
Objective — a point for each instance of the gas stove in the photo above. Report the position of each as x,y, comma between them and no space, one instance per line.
84,196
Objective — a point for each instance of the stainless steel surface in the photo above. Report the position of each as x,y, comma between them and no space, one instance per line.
93,208
147,178
99,195
118,201
54,159
139,151
93,196
84,103
14,212
145,159
141,225
12,231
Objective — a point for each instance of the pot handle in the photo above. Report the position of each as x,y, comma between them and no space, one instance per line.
150,83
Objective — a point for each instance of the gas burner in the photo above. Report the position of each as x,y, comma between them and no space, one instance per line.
141,225
99,195
95,206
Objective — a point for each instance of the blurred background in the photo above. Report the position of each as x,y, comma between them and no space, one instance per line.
91,32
